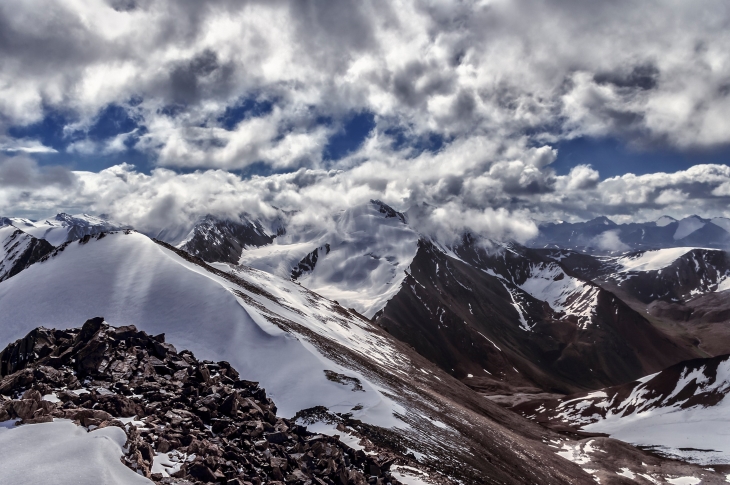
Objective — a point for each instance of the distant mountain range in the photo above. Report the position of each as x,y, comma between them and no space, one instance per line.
601,235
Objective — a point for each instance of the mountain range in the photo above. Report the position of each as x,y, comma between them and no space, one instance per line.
602,235
472,361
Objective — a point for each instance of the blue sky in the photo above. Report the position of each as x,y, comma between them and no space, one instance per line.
612,157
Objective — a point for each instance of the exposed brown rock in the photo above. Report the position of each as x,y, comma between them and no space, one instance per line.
221,428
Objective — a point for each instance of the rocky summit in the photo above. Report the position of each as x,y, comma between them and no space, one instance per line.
186,421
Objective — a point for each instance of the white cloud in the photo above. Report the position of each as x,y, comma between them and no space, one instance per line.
481,75
457,68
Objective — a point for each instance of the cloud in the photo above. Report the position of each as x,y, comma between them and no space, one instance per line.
609,241
454,68
25,146
466,100
22,172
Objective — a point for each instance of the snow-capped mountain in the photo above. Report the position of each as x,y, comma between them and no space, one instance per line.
500,318
683,291
305,350
681,411
18,250
673,275
63,227
550,318
603,236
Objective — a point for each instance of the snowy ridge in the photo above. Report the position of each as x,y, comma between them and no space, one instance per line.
681,411
673,274
64,227
567,296
13,244
18,250
128,278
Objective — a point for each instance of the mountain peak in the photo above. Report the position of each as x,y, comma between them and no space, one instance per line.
665,221
601,220
216,239
384,208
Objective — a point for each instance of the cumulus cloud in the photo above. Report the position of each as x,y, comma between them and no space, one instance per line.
467,100
456,68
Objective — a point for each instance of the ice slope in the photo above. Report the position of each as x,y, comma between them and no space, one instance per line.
64,227
129,279
370,250
61,453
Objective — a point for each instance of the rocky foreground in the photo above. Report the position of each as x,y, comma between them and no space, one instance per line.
186,421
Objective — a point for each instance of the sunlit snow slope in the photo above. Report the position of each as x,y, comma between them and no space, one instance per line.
129,279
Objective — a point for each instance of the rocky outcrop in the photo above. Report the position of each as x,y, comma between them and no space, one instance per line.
197,420
219,240
19,250
307,264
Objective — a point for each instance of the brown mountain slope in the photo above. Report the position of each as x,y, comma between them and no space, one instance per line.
466,320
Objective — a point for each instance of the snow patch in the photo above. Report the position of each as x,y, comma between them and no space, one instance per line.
651,260
65,454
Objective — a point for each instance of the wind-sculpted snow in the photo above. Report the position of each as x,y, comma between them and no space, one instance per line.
682,411
271,298
370,249
128,278
63,453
